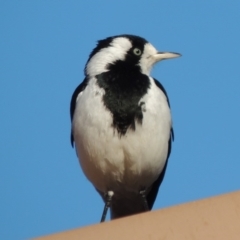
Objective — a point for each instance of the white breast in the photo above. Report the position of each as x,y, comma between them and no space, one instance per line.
131,162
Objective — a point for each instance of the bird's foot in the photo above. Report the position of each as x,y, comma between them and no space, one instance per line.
143,195
109,196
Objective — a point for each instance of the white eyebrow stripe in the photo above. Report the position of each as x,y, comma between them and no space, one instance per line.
116,51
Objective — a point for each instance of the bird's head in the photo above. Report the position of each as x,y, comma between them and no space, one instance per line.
129,51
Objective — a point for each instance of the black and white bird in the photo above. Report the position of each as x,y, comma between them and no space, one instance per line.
121,124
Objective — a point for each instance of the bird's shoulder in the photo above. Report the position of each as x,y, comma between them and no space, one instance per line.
160,86
75,94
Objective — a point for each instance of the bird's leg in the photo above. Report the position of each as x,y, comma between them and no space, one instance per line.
109,196
143,195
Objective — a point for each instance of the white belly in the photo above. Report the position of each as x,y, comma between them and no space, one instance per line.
132,161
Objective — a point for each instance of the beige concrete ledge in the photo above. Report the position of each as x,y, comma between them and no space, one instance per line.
212,218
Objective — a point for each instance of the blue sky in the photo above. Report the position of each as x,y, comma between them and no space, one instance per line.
43,49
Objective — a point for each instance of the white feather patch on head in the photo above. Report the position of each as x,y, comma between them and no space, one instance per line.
116,51
147,61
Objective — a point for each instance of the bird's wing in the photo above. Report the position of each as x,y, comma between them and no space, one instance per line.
78,90
155,186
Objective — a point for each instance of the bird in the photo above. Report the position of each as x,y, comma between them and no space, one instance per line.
121,124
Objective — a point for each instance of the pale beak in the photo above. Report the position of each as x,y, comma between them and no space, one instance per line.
165,55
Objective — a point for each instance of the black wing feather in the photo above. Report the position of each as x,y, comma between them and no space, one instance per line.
79,89
155,186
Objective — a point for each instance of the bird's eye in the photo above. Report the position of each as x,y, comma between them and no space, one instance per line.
137,51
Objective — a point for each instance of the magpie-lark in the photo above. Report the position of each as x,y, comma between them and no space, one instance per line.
121,124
